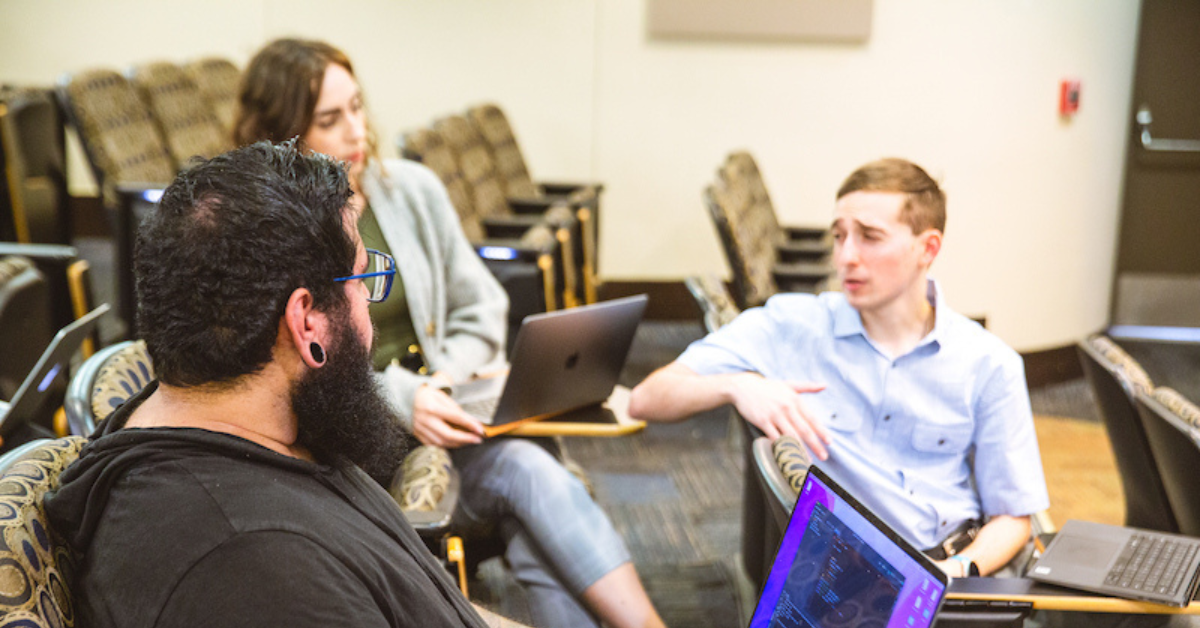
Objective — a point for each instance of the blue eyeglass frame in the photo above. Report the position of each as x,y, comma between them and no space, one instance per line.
390,272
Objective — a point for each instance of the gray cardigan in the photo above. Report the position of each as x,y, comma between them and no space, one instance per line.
459,311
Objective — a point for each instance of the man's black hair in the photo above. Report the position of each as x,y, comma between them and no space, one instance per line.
231,239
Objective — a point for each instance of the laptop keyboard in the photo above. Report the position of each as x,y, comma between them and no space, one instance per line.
1152,564
483,409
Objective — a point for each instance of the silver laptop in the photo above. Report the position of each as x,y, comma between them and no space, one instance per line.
562,361
53,365
838,565
1123,562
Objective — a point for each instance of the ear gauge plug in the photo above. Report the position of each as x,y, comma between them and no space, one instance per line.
318,353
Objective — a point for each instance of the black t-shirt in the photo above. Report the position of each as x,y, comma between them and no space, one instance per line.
186,527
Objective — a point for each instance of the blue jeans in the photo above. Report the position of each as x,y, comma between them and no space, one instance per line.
558,540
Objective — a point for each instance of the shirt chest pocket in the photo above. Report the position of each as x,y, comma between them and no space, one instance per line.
953,438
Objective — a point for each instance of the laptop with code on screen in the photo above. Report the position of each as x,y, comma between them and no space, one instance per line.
839,565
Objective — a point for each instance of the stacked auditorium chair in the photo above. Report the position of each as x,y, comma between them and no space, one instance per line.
524,194
525,256
764,256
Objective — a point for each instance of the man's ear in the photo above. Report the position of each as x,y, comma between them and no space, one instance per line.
307,328
931,245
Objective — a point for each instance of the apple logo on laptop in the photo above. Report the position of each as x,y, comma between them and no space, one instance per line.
572,360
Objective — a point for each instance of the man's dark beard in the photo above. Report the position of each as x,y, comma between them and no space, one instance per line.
340,410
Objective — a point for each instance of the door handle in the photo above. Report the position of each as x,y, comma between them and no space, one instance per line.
1149,143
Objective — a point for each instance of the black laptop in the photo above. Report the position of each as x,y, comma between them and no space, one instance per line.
562,361
839,565
53,365
1122,562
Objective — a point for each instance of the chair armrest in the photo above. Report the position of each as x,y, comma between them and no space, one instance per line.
794,251
801,271
525,205
60,255
796,232
566,188
509,226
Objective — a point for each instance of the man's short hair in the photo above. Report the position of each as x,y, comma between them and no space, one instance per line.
230,241
925,204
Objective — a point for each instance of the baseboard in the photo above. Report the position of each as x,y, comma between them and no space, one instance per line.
1052,366
669,300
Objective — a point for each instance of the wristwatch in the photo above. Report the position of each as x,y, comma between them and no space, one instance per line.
969,568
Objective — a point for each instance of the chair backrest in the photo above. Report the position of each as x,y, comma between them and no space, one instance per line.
218,81
429,147
1171,428
1116,378
741,170
105,381
117,131
25,321
493,125
475,160
184,116
38,565
31,130
717,308
749,248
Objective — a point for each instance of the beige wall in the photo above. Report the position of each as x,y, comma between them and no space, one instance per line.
967,88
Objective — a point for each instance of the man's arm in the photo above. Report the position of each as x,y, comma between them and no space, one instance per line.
999,540
675,392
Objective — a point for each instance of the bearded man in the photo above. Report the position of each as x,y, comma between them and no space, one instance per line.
235,489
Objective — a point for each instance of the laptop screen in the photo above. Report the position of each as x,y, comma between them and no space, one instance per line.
839,565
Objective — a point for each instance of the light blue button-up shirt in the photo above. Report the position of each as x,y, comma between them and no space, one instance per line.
908,431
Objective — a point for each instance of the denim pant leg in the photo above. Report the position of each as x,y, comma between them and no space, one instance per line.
545,514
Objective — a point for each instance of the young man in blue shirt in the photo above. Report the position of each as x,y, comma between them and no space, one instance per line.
916,409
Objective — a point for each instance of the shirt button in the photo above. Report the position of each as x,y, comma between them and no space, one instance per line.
943,523
887,417
941,441
430,329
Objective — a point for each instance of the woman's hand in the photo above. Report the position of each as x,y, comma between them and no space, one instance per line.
438,420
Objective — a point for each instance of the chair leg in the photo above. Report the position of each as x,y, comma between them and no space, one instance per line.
546,263
590,242
456,556
563,235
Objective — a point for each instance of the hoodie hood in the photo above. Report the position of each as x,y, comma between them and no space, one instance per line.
76,507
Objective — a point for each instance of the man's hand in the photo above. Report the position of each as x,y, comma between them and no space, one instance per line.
438,420
776,408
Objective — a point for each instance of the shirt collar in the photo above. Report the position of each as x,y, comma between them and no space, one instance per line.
847,322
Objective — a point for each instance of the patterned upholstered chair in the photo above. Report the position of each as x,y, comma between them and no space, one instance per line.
763,256
218,81
31,131
118,134
36,568
749,246
1171,429
491,203
1116,379
524,259
793,243
717,308
184,116
104,382
519,188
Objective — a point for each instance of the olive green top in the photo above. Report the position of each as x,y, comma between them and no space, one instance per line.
394,331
